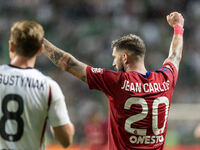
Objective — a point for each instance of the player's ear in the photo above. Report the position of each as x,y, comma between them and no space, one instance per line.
40,50
11,46
11,50
125,57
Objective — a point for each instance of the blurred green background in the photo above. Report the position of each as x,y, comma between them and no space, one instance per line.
85,28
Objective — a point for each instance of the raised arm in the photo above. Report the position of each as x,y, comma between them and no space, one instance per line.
176,21
65,61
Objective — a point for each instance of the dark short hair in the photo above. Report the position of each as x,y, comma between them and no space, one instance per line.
27,37
130,42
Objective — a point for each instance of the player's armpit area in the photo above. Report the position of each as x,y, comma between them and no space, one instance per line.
65,61
171,61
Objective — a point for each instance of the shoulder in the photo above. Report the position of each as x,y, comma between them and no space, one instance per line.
167,68
168,72
95,70
105,74
51,82
4,66
53,87
44,76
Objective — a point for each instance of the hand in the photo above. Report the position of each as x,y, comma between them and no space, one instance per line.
174,19
197,131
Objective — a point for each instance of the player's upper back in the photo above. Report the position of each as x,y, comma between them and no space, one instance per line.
24,96
153,83
135,83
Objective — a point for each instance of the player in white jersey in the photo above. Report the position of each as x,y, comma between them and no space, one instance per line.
27,97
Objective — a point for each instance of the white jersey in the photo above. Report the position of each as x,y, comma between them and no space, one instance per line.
27,98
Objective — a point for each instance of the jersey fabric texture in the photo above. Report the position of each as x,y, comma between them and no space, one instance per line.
138,105
27,98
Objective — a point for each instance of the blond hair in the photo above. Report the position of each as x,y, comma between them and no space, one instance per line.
27,37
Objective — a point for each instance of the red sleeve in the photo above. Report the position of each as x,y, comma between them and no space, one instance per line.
102,79
170,71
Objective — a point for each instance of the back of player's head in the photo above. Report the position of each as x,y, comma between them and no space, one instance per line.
131,43
27,37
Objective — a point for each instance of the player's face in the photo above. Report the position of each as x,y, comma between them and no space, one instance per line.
117,60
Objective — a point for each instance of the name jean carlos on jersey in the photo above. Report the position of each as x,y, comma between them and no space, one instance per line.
146,87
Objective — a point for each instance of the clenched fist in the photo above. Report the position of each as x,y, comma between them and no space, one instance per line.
174,19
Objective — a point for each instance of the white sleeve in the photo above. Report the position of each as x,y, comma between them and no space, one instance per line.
58,114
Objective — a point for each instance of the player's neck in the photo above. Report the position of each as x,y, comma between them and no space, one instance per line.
139,67
23,62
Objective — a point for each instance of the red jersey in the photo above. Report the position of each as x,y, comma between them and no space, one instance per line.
138,105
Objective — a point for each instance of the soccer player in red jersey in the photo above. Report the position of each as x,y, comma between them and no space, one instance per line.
139,101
